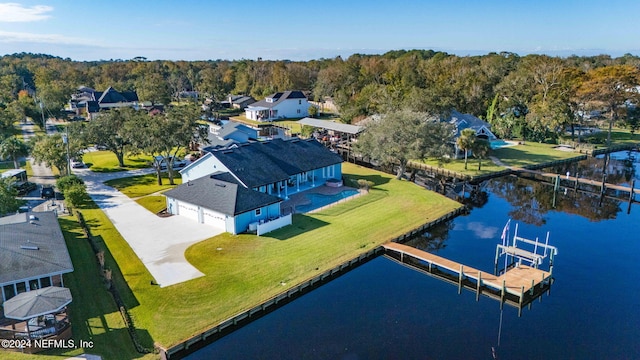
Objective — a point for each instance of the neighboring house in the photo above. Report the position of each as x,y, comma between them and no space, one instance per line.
88,101
229,134
281,105
240,101
275,168
33,253
467,121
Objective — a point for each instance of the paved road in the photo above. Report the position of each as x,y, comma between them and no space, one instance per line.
42,175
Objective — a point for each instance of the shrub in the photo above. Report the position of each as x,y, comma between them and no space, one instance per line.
66,182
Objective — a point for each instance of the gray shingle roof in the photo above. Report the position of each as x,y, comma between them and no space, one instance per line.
18,239
267,162
232,126
278,97
222,193
463,121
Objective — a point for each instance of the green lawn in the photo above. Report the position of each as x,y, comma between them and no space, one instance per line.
618,136
153,203
106,161
250,269
531,153
457,165
137,186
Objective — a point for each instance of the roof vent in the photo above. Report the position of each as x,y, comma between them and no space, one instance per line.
29,247
221,185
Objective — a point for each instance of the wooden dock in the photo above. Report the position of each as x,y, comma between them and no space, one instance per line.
574,180
518,286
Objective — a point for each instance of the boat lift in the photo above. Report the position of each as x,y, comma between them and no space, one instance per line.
520,251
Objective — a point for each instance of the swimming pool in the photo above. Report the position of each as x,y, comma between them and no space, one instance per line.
497,144
320,200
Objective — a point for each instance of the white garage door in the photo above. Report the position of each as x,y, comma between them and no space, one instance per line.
188,210
213,218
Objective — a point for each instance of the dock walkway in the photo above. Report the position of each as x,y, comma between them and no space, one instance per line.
522,282
573,179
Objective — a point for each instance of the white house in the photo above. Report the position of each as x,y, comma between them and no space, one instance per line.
281,105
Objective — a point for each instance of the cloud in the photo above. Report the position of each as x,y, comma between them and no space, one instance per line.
13,12
482,231
9,37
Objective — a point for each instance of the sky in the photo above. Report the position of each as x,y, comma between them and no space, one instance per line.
303,30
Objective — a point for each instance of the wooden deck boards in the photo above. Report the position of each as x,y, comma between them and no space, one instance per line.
516,280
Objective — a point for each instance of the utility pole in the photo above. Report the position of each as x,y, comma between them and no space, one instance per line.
65,139
44,123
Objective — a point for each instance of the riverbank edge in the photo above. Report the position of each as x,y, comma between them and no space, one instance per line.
245,317
581,155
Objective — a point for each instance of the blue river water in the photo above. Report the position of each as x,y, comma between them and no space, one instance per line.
383,310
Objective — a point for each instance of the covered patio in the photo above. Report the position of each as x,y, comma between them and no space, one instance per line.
37,314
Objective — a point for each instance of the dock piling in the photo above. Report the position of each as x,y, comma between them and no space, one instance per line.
478,285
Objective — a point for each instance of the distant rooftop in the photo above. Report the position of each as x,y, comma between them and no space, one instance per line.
331,125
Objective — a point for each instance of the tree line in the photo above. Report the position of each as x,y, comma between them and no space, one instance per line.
523,96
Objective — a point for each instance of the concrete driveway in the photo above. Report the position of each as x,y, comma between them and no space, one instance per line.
159,242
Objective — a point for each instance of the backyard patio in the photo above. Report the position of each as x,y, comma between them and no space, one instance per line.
317,198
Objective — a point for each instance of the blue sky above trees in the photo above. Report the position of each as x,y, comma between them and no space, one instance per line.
299,30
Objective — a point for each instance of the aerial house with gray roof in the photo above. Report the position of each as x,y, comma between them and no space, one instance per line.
33,253
240,188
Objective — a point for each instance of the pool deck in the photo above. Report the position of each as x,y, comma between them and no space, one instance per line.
300,198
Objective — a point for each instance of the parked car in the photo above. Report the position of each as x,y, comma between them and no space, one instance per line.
47,192
177,163
75,163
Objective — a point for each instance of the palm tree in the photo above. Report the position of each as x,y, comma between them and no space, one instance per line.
14,148
481,148
466,142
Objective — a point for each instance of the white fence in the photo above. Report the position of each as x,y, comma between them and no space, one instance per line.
274,224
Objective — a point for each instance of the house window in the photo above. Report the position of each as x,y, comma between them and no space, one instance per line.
299,102
21,287
9,292
299,111
33,284
258,212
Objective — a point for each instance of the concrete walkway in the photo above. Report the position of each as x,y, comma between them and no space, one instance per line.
160,243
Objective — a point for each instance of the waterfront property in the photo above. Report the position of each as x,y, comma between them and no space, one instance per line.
247,183
244,270
591,311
